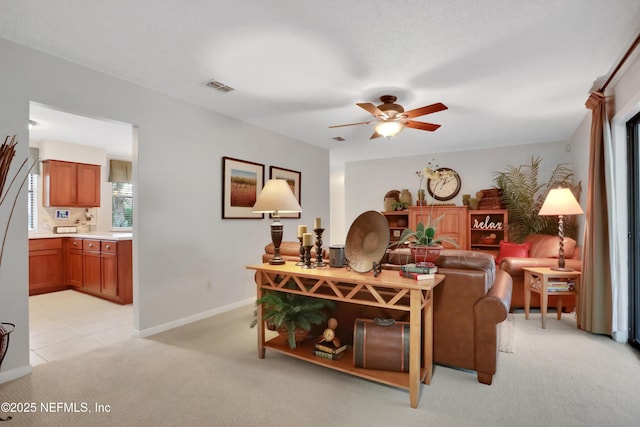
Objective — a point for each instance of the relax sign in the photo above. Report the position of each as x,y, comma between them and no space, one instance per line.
487,224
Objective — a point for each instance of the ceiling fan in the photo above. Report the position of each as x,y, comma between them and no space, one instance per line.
391,117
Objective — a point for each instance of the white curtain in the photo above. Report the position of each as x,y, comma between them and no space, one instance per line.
612,203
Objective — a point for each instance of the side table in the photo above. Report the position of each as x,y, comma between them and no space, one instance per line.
540,280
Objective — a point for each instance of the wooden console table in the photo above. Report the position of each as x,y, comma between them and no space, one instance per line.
388,290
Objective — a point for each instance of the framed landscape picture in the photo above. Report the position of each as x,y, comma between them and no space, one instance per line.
242,181
293,178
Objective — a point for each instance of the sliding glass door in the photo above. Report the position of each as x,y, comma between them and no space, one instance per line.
633,149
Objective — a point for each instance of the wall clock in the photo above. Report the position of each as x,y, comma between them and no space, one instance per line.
446,186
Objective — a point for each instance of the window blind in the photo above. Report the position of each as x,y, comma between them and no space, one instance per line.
122,205
32,209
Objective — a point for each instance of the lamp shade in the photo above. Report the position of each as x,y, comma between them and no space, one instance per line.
560,201
389,128
276,197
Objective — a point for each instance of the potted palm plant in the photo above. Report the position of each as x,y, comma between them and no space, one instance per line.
523,195
293,315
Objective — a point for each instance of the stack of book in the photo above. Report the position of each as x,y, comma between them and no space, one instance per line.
421,271
327,350
561,285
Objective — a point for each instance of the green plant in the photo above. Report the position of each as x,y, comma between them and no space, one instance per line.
399,206
523,197
292,311
423,234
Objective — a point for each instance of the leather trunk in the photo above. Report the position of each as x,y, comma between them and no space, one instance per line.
381,344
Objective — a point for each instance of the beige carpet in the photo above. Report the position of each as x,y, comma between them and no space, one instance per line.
506,334
208,374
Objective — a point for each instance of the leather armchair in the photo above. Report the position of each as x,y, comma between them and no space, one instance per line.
542,253
467,309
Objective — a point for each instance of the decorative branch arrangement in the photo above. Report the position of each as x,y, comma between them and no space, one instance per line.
7,153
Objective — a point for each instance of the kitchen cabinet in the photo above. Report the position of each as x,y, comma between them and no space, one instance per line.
45,266
109,265
453,224
91,266
75,270
107,269
69,184
99,267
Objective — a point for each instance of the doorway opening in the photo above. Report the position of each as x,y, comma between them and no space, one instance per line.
67,322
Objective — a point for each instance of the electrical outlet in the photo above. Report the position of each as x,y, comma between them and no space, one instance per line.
209,285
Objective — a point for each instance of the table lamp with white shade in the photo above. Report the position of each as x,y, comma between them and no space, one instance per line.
276,198
560,202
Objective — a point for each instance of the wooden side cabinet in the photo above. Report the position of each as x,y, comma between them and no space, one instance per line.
398,222
487,228
68,184
45,266
452,225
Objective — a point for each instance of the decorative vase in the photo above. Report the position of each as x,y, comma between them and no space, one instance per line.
421,197
424,253
405,197
5,330
388,203
300,335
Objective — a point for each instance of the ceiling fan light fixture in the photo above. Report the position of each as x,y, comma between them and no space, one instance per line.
389,128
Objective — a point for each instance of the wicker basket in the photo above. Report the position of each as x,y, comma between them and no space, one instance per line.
490,203
491,199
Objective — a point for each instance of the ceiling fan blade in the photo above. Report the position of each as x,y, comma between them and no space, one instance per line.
433,108
372,109
421,125
375,135
353,124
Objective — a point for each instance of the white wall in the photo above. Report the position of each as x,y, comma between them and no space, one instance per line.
367,182
180,240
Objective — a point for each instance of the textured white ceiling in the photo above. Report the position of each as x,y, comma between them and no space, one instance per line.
511,72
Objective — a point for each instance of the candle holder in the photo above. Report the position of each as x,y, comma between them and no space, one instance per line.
319,262
307,257
302,252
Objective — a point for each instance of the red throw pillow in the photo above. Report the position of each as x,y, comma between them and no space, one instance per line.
520,250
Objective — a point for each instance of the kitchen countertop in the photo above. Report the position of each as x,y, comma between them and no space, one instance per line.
93,235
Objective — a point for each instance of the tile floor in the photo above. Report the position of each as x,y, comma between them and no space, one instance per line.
66,323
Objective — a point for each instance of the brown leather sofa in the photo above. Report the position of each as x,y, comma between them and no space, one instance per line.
468,306
542,253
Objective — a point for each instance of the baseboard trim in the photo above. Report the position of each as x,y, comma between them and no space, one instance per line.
144,333
14,374
620,336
